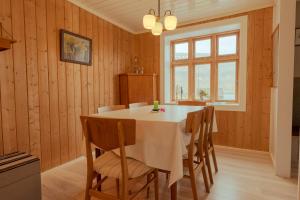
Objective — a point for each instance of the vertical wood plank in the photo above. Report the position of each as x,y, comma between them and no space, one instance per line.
123,49
62,88
84,73
256,140
96,63
1,133
20,73
77,87
43,84
32,77
7,86
157,64
70,87
106,62
115,66
101,61
110,64
119,37
127,53
53,82
90,69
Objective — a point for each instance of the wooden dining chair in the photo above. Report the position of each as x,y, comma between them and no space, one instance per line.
137,105
192,103
195,157
109,134
111,108
208,143
103,109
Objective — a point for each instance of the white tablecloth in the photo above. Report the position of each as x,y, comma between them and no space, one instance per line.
160,140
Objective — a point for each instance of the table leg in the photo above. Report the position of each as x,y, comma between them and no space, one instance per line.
174,191
97,154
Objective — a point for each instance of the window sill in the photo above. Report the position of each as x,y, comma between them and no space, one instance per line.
224,106
228,106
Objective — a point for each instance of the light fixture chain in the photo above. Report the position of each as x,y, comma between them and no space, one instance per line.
158,9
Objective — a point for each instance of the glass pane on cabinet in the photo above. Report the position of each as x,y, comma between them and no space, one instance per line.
181,82
203,48
227,45
181,51
227,81
202,82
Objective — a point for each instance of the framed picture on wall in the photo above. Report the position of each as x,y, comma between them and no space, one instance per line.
75,48
297,37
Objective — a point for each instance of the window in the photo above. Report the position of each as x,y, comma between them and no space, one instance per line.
202,80
181,82
181,51
205,68
203,48
227,45
227,81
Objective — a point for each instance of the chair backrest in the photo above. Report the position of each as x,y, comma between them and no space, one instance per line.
209,121
192,103
195,126
137,105
111,108
103,132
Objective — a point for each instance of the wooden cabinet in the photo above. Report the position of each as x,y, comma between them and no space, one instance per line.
137,88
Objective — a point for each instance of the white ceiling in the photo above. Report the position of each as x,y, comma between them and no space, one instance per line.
128,14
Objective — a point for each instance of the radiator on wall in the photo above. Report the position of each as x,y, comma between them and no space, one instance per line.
20,177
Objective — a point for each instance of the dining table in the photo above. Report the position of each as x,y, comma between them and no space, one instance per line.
160,137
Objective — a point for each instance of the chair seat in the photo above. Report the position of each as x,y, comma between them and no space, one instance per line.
109,164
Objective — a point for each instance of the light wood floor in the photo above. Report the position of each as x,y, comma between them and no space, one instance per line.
243,175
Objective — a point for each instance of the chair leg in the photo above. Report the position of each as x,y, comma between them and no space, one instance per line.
89,184
148,181
156,187
206,183
207,162
214,159
118,187
193,182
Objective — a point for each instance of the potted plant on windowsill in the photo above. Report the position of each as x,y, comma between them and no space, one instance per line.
202,95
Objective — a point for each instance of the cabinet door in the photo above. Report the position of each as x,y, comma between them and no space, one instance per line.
140,89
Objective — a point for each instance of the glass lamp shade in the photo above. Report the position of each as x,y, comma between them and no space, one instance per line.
170,22
149,21
157,29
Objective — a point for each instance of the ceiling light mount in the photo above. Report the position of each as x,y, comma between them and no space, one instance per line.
152,22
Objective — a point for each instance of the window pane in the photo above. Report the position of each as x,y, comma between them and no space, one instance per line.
227,45
181,51
203,48
226,81
181,82
202,82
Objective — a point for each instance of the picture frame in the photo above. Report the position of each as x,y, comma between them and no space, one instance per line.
297,37
75,48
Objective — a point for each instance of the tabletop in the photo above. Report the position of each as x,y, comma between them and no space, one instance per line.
173,113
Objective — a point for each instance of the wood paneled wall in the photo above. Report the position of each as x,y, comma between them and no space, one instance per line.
41,98
250,129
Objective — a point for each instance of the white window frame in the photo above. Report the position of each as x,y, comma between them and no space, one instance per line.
238,23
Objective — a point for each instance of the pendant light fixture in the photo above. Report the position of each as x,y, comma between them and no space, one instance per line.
152,21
